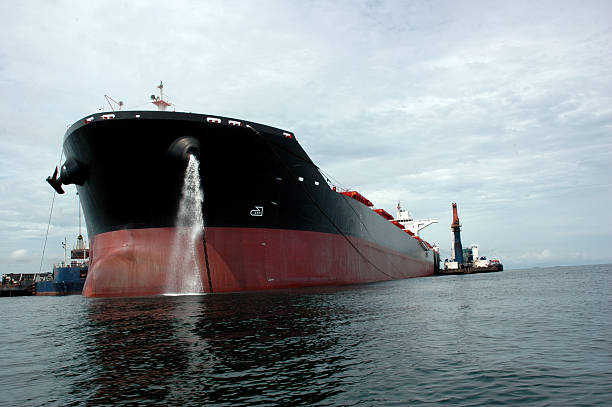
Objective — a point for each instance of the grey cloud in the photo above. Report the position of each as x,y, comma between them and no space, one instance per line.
501,107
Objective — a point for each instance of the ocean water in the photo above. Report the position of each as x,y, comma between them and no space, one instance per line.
526,337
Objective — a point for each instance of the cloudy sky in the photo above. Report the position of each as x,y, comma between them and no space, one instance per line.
503,107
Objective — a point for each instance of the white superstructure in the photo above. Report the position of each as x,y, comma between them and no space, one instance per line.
413,225
479,261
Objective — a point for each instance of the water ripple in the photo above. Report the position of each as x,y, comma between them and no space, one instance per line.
533,337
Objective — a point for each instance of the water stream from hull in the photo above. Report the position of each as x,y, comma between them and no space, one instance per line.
184,268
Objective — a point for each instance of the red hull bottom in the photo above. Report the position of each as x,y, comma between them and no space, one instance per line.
135,262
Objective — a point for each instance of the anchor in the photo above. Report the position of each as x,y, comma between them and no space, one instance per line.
72,172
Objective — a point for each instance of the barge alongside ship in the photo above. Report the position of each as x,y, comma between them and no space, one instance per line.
466,261
271,218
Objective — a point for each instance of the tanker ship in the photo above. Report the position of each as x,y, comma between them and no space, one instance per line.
271,219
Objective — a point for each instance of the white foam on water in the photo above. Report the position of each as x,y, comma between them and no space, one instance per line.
184,271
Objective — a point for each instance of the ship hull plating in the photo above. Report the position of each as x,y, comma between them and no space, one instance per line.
135,262
272,221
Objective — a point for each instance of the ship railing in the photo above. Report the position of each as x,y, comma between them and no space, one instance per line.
73,263
424,245
333,183
338,188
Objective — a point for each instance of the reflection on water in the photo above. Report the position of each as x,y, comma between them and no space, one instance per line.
134,350
236,348
535,337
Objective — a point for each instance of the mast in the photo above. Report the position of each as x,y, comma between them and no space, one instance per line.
159,100
79,205
80,250
80,245
65,246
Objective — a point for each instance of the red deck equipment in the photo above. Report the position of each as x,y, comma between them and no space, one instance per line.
384,214
358,197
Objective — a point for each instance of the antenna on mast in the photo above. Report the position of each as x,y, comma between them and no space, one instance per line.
159,100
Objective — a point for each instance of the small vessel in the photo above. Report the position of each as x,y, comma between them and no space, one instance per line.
468,260
17,284
474,262
482,265
67,278
270,218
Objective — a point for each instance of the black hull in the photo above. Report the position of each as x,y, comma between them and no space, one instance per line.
131,179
